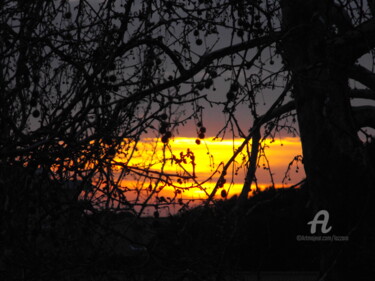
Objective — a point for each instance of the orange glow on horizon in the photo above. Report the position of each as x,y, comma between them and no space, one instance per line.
194,169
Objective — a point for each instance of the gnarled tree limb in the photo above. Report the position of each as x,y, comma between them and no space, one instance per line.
355,43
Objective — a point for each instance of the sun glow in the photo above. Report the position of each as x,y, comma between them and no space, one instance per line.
184,169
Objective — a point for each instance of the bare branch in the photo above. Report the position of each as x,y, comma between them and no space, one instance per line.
257,124
153,42
277,112
257,42
205,61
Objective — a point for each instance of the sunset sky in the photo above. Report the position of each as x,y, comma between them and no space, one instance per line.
210,155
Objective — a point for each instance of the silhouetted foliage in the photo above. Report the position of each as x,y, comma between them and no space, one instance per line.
82,83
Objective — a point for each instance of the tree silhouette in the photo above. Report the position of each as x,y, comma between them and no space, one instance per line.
82,81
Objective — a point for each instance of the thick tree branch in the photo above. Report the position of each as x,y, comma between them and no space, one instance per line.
251,170
355,43
362,94
285,108
364,116
362,75
355,93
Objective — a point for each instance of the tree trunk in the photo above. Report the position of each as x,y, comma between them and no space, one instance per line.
338,169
